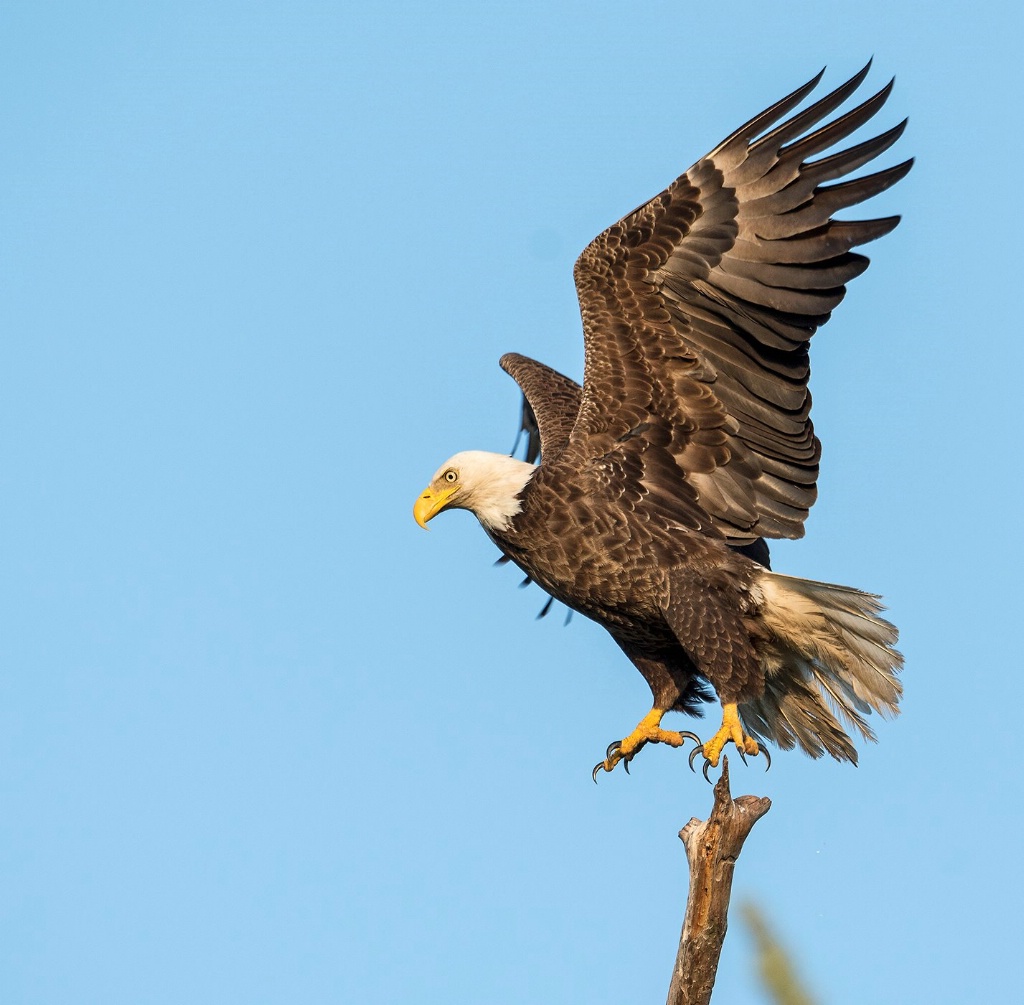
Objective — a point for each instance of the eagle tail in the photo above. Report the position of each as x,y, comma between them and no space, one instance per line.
829,660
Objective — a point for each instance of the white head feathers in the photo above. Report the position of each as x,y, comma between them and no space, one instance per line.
486,484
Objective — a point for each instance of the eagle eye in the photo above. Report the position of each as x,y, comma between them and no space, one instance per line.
451,476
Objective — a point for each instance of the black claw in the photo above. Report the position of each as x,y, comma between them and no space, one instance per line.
597,768
707,764
687,735
625,764
743,756
693,757
613,746
767,757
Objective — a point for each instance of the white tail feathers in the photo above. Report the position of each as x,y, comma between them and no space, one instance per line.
829,660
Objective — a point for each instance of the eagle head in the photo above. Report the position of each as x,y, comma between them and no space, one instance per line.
488,485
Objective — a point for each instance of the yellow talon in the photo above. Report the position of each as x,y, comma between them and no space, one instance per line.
648,730
731,729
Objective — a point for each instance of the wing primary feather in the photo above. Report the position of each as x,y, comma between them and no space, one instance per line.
742,136
791,186
837,129
849,193
810,115
816,276
827,200
852,158
815,245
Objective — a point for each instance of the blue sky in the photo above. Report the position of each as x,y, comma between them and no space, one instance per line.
262,740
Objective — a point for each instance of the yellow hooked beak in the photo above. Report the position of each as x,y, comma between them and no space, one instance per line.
430,504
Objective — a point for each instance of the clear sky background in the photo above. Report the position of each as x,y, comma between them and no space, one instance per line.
262,740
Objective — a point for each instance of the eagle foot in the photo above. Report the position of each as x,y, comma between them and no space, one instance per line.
731,731
648,730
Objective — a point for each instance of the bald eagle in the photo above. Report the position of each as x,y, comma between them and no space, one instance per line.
690,442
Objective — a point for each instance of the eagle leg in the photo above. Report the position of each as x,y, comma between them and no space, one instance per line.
648,730
731,730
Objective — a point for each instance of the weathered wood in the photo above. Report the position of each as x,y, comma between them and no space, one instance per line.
712,847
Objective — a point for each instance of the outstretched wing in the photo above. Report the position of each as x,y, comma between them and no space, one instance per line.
551,402
698,309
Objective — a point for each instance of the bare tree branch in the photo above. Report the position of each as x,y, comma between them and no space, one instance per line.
712,847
